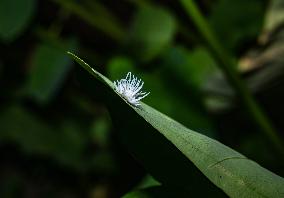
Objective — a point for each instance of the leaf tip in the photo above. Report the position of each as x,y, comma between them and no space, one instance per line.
70,53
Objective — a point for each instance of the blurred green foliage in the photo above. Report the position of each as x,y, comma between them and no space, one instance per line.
15,16
151,31
57,137
233,28
48,70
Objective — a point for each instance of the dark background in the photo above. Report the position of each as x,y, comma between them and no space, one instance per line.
56,135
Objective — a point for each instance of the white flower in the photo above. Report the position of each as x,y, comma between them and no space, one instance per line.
129,88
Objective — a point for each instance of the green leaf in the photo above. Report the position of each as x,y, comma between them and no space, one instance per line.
190,66
274,16
138,194
14,17
148,181
117,66
162,88
34,136
229,170
95,14
49,69
152,30
237,21
158,156
155,192
19,126
100,131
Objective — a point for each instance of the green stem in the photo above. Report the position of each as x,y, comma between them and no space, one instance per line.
101,18
227,65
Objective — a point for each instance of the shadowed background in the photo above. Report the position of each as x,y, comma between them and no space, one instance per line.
57,138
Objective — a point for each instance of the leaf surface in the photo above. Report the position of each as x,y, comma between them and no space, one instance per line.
49,70
229,170
14,17
152,30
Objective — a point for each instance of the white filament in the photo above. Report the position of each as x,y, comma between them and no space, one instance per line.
129,88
